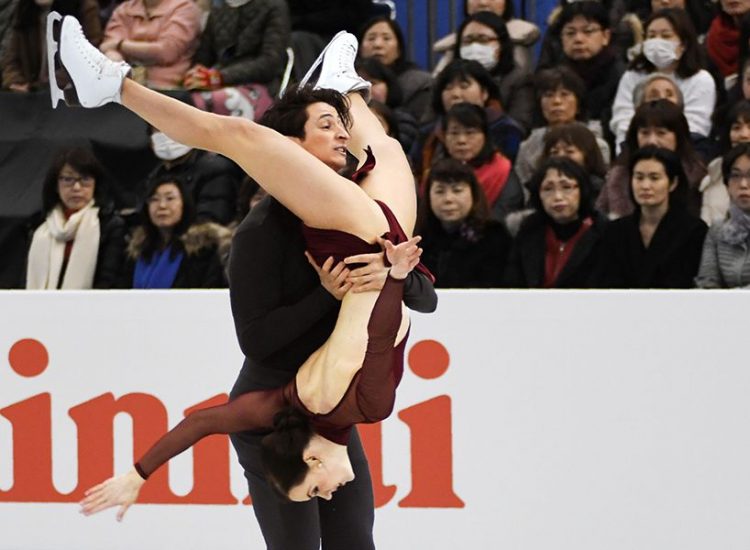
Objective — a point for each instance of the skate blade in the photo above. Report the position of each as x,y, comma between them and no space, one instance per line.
54,23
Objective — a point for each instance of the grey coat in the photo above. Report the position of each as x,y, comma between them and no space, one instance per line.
723,265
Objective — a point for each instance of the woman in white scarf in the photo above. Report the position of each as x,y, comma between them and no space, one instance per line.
67,250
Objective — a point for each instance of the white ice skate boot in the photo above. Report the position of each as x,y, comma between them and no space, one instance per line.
78,72
335,67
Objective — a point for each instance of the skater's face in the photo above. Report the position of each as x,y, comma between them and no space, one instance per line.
75,190
165,206
326,137
324,477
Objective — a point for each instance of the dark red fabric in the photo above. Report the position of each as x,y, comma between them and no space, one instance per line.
557,252
492,177
325,243
723,44
369,397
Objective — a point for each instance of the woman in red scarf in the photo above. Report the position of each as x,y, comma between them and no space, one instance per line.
722,41
467,140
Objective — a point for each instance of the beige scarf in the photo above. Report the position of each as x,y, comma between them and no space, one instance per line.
47,250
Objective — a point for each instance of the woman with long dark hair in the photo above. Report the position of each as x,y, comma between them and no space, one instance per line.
169,250
662,124
382,38
671,47
659,245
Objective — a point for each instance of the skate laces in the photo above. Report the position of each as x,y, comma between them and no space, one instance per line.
103,65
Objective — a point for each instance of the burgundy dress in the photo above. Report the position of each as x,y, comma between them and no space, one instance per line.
369,397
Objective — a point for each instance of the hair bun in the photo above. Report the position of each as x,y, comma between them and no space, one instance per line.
290,419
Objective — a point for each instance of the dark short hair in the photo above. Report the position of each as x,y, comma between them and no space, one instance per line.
580,136
152,238
570,169
288,114
741,150
471,116
509,12
83,161
449,170
550,80
740,111
370,68
690,61
281,451
462,70
588,9
505,63
672,167
661,113
27,13
401,63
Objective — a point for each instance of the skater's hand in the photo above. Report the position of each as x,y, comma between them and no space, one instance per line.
370,276
403,257
333,278
119,491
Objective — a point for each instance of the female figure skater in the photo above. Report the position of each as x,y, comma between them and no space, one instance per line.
352,377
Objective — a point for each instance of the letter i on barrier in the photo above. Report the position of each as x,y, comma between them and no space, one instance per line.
430,426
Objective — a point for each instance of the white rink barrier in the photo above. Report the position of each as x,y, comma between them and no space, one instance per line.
526,420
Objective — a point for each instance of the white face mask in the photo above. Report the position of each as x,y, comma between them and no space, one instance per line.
662,53
485,54
236,3
166,148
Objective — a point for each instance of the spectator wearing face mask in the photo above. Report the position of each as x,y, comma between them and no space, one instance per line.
483,37
210,180
671,48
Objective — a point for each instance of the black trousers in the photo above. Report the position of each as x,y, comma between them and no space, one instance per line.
342,523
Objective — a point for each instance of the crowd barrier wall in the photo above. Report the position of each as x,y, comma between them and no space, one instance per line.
526,421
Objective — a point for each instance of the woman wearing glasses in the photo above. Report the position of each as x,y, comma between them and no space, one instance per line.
483,37
725,262
558,245
80,243
169,250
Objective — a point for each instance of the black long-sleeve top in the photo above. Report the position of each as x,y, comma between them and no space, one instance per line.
281,311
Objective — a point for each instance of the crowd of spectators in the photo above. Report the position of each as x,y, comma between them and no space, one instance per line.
619,157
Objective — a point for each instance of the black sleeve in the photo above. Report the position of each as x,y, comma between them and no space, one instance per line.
265,324
109,262
419,293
